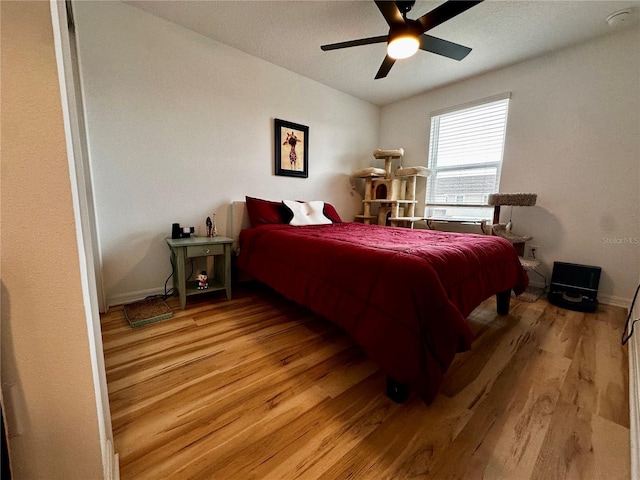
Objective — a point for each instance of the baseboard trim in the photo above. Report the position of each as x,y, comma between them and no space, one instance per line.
602,298
125,298
112,463
614,301
634,404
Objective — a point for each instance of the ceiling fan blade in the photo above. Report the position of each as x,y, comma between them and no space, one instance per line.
390,12
387,63
355,43
445,12
443,47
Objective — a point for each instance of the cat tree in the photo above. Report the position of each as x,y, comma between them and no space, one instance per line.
497,200
394,193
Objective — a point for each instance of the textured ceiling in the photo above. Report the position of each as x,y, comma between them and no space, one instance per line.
289,34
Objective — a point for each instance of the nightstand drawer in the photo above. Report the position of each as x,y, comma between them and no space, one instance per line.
204,250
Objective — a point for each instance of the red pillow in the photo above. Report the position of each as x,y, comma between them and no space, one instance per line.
331,213
263,211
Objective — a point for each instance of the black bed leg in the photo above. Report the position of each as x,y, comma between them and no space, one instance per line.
398,392
502,301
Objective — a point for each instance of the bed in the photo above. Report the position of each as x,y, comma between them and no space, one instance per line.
403,295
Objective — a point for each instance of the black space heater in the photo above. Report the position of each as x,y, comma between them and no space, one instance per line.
574,287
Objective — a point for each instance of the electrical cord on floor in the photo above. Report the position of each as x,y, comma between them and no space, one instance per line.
546,285
628,326
167,294
191,272
534,256
170,292
173,271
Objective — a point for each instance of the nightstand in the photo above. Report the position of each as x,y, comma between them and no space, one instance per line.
184,248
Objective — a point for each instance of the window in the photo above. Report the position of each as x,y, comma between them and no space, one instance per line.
465,156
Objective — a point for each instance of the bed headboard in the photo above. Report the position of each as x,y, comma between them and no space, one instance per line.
238,220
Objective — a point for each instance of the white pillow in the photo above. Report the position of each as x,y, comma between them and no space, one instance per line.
307,213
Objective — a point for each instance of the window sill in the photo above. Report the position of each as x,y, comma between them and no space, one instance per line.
468,205
457,220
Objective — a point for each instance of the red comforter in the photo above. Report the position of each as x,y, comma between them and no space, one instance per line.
403,295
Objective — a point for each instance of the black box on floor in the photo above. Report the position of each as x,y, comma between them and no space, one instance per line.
574,287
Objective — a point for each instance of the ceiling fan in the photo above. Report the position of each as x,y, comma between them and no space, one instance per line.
406,36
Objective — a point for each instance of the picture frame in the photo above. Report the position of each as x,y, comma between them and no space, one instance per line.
291,149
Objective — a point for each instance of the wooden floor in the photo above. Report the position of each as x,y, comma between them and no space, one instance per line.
259,388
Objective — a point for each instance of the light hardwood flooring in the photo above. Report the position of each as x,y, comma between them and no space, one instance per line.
259,388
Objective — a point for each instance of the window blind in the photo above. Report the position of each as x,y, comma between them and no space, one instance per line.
465,155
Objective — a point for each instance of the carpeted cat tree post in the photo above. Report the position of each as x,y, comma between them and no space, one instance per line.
497,200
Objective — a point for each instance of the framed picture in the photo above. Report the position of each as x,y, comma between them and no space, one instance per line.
292,149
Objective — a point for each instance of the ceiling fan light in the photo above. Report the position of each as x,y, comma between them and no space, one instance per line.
403,47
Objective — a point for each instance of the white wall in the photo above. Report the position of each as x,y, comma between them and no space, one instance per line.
47,378
634,394
179,126
573,137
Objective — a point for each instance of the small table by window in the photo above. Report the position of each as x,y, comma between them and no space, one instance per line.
217,247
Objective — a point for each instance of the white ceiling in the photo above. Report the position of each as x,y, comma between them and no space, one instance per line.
289,34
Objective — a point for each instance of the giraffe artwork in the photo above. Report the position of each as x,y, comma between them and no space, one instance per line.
291,142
